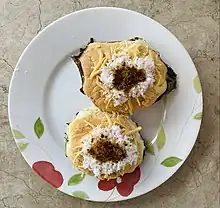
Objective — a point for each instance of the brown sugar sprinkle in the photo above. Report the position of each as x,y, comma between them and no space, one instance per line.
105,151
126,77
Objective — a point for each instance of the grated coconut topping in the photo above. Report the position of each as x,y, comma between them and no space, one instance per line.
114,135
107,77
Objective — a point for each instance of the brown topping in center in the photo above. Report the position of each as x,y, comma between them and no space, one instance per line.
127,77
105,151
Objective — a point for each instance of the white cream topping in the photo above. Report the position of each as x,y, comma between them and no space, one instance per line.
113,133
107,76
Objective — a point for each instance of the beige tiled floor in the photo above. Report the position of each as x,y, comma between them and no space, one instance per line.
196,24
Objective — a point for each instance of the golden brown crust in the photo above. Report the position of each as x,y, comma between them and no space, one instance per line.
96,55
78,128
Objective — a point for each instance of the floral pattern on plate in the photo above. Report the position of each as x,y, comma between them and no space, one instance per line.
124,185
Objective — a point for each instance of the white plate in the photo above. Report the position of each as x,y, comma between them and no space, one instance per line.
44,95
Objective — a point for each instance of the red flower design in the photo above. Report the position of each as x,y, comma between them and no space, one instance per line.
47,171
125,187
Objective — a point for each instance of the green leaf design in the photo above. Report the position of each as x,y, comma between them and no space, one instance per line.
198,116
161,139
16,134
76,179
80,194
197,84
38,128
171,161
22,146
149,147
